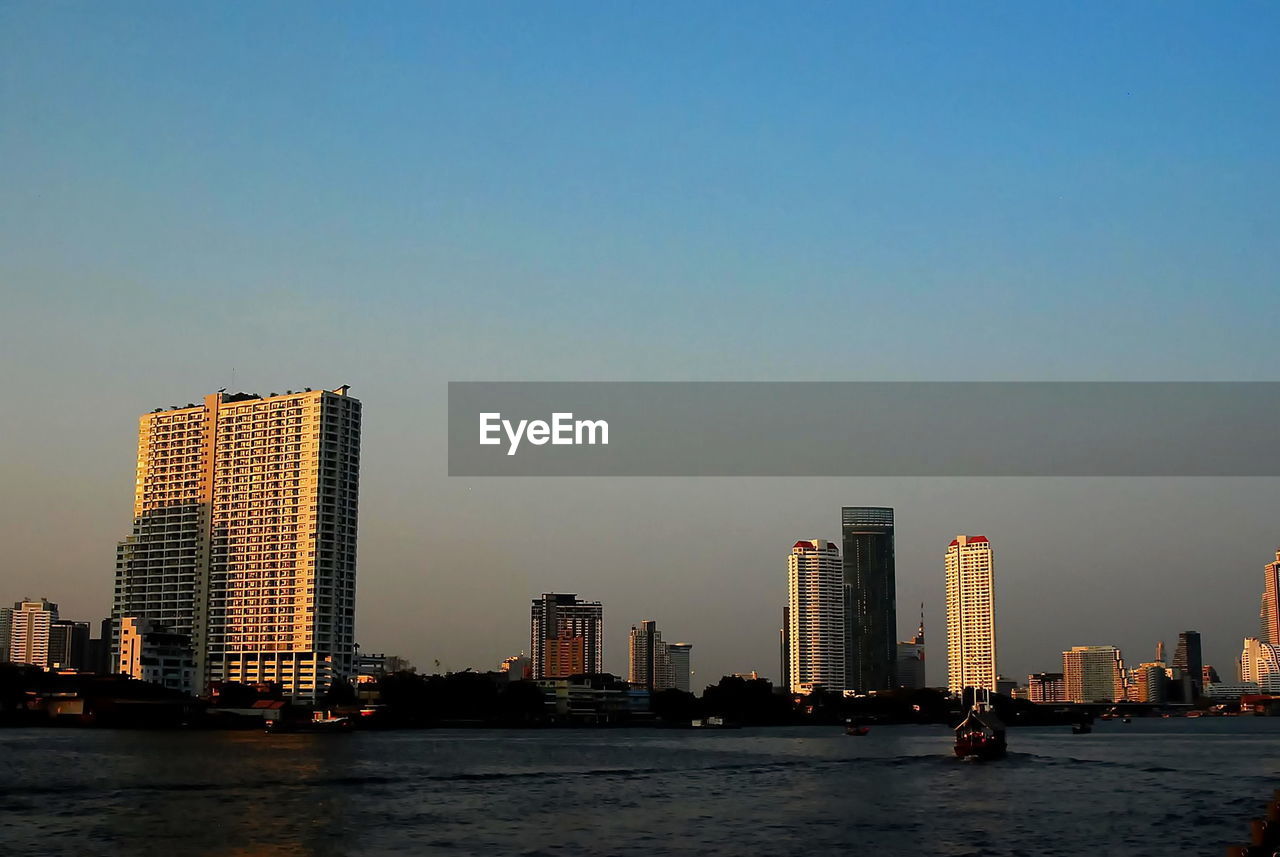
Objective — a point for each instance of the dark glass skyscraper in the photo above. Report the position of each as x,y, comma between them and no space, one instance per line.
870,598
1187,659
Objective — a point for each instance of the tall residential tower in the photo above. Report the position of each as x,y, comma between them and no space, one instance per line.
971,619
244,536
815,616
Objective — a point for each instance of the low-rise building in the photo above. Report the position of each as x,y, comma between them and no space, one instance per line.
150,652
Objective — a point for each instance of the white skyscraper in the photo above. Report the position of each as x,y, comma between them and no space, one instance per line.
971,619
244,536
29,625
1260,663
815,616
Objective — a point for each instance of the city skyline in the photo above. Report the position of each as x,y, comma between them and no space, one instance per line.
531,197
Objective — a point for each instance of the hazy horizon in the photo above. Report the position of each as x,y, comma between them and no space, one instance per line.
315,195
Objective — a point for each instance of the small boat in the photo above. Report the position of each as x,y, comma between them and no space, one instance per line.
1081,728
321,721
851,728
981,734
713,722
1127,720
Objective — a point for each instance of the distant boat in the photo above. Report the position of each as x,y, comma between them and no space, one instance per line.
713,722
321,721
981,734
1081,728
851,728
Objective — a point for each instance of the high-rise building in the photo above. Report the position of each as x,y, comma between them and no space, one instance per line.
681,656
565,636
1148,683
1260,663
870,597
1093,674
784,646
816,609
649,658
6,624
971,614
1046,687
1187,660
29,625
909,671
69,645
1270,613
244,536
1209,675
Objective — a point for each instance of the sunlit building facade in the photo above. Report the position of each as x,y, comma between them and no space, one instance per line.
1260,664
816,613
1094,674
1269,617
1046,687
30,623
971,614
244,536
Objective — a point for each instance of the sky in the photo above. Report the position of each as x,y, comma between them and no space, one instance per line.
397,195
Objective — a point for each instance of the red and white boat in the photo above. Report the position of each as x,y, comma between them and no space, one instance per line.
981,734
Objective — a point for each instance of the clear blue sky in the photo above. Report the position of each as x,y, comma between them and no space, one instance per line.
397,195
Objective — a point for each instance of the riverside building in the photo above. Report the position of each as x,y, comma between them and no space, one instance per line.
871,613
816,616
971,615
565,636
244,536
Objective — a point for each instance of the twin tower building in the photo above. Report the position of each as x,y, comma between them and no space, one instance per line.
840,623
243,544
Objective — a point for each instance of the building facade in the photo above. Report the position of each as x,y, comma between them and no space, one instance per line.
150,652
1093,674
816,611
681,657
30,623
566,636
870,596
1269,616
244,536
1047,687
971,614
69,645
1188,662
1260,664
649,658
1148,683
910,669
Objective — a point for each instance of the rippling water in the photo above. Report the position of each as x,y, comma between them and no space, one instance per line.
1156,787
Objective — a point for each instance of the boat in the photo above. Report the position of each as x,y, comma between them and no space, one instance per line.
851,728
321,721
980,735
1081,728
713,722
